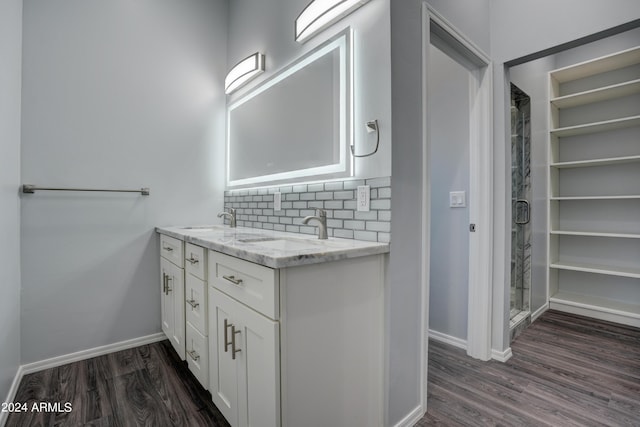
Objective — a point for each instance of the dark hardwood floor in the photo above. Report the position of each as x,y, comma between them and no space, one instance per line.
565,370
143,386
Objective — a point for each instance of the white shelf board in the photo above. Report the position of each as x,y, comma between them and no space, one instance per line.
597,95
633,272
599,308
596,162
597,127
577,198
595,234
603,64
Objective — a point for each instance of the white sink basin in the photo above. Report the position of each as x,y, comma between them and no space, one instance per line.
288,244
205,228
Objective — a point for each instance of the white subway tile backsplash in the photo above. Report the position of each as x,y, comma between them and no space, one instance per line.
255,208
333,186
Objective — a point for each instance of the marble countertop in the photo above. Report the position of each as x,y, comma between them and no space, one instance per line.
274,249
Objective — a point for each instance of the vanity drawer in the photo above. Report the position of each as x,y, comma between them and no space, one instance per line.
172,249
249,283
195,260
195,297
198,355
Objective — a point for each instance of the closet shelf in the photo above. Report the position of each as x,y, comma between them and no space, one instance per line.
596,127
596,162
599,308
595,234
576,198
597,95
588,68
633,272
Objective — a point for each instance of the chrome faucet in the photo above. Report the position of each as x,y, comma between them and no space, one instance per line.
231,215
321,217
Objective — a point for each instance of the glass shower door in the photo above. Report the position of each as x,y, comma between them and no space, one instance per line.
520,206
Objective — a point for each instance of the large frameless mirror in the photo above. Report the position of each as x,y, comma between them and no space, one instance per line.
296,126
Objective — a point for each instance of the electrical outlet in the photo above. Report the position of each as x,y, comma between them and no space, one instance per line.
364,197
277,201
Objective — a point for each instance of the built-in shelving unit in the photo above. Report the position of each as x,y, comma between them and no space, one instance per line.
594,188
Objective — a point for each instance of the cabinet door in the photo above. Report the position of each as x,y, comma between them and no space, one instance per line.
244,363
258,369
172,288
223,379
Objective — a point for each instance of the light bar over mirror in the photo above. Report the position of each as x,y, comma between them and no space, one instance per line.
319,14
243,72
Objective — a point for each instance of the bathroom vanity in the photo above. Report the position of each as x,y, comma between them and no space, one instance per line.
283,329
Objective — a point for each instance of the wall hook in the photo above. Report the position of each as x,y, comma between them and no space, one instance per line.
372,126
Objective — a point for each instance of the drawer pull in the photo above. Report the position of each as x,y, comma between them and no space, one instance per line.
195,356
164,283
193,303
226,335
168,248
233,280
193,260
233,342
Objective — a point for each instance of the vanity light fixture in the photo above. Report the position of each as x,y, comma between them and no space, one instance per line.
243,72
319,14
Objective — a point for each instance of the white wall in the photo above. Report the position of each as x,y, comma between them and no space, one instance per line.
448,106
548,23
10,52
521,27
268,26
116,94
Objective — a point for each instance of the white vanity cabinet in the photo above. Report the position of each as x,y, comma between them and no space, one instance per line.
244,341
195,305
172,292
297,345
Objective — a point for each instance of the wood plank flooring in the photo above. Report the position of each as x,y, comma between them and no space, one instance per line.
566,370
143,386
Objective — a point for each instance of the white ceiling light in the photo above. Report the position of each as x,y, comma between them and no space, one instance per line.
243,72
319,14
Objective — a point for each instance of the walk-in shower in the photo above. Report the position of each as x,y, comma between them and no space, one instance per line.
520,210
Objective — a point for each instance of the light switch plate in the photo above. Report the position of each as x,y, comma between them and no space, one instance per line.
457,199
277,201
364,198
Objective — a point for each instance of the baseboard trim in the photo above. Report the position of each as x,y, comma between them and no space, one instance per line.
12,394
447,339
539,312
412,417
30,368
501,356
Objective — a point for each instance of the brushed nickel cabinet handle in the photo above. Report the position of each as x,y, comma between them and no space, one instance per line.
164,283
226,335
233,280
168,288
193,260
195,356
193,303
168,248
233,342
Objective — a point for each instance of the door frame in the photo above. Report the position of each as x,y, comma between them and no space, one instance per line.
479,323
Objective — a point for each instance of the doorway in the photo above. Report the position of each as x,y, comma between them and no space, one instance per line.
458,196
